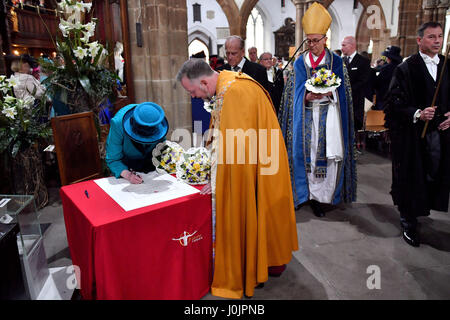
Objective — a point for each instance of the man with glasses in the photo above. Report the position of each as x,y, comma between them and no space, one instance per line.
318,128
275,78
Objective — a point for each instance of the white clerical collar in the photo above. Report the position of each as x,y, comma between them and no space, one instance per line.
427,59
308,62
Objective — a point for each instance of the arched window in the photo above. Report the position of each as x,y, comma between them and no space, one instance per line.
197,46
255,31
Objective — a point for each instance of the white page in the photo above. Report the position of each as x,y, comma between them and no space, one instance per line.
156,188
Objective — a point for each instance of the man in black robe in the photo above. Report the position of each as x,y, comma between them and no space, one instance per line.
420,167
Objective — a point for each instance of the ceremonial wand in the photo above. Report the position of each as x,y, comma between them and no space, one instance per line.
437,88
290,60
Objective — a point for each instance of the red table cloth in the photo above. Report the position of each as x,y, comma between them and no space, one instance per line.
131,254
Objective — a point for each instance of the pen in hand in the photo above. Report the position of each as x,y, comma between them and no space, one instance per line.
137,179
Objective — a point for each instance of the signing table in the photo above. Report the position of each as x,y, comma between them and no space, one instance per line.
162,251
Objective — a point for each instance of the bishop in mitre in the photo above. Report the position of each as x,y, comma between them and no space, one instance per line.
318,128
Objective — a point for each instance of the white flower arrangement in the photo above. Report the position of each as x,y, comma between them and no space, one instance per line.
194,167
73,25
210,105
323,81
166,155
81,78
20,124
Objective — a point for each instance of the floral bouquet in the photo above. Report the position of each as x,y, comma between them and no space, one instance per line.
323,81
166,155
194,167
210,105
21,122
80,78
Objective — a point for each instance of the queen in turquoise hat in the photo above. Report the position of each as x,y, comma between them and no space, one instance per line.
134,132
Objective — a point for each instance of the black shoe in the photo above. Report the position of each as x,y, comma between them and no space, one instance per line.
317,209
260,285
411,237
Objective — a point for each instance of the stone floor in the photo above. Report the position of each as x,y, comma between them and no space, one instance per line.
341,254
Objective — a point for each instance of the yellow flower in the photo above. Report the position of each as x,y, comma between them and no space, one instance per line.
196,166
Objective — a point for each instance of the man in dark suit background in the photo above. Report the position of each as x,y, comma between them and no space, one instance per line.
235,52
359,71
275,78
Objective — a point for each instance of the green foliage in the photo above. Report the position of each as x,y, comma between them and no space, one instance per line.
22,122
80,77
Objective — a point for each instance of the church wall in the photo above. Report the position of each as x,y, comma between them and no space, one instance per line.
345,21
156,63
276,16
390,8
208,25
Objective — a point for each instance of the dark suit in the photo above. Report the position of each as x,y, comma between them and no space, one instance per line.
276,88
254,70
382,82
359,72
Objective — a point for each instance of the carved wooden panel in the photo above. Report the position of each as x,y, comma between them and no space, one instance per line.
77,147
28,28
285,38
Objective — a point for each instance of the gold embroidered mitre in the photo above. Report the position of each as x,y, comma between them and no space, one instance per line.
316,20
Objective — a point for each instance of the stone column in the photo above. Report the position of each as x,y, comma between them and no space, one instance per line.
411,14
156,63
429,8
442,11
299,6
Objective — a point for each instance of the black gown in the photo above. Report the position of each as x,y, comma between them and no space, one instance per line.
420,167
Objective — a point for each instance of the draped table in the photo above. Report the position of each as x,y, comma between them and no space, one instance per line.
162,251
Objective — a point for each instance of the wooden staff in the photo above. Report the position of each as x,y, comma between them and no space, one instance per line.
437,88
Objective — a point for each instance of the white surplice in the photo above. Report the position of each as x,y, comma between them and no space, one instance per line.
322,189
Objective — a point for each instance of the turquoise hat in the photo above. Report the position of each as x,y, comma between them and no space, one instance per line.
145,123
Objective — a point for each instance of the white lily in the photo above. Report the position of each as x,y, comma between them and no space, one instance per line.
2,78
64,29
27,102
80,52
10,112
90,27
13,81
80,7
86,37
4,89
94,48
9,99
63,5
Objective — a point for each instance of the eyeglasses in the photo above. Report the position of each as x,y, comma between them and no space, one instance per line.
315,41
266,59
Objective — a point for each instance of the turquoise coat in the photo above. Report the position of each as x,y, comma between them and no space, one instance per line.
122,153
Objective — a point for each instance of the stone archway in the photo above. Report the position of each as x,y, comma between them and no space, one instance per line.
379,36
231,11
237,18
245,11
